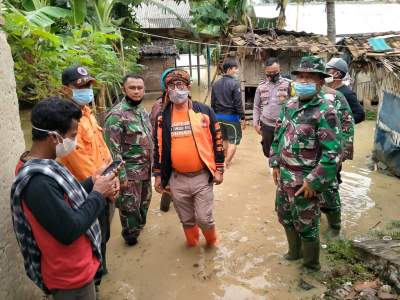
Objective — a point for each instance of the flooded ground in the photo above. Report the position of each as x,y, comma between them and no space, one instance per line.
248,263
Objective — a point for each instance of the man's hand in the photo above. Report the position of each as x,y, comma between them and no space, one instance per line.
276,174
98,173
307,190
218,177
258,129
243,124
107,185
157,185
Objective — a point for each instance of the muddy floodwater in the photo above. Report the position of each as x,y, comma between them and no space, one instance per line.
248,262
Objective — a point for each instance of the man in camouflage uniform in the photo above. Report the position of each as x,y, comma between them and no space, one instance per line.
330,200
128,134
271,93
304,157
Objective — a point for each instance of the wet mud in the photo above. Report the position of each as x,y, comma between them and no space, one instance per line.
248,262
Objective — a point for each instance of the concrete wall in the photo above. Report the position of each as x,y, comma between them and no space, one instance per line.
13,281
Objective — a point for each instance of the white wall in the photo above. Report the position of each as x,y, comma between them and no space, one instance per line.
14,283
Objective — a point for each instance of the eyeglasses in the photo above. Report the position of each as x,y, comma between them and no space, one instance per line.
179,85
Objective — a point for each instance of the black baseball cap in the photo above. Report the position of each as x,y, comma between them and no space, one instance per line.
76,75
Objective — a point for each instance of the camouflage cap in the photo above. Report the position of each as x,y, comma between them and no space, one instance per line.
178,75
312,64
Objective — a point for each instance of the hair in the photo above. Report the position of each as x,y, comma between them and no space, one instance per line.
271,60
133,76
230,63
53,114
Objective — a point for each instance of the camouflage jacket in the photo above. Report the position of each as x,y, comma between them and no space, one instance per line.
128,134
346,120
307,139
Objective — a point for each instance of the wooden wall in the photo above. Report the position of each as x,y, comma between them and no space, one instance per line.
154,68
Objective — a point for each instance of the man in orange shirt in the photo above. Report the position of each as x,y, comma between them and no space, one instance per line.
91,151
189,157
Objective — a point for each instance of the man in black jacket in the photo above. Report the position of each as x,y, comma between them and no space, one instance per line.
226,101
338,68
55,216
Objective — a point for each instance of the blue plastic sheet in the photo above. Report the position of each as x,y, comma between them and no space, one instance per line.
387,135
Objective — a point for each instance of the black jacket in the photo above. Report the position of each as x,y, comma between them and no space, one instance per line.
355,106
226,97
45,199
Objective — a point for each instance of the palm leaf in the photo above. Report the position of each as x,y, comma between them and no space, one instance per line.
79,11
45,16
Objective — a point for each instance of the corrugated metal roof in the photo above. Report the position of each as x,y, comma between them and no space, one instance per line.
351,18
152,16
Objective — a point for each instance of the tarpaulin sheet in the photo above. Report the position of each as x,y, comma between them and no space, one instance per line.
387,135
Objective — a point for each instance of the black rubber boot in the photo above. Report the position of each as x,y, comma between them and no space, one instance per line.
311,251
294,242
165,202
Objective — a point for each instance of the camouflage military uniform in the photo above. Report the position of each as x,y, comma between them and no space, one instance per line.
128,135
305,147
330,200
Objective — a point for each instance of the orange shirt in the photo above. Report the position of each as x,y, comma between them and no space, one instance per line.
91,151
184,154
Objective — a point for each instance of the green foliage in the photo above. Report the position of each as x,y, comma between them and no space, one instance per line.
211,17
342,250
345,265
79,12
392,229
40,56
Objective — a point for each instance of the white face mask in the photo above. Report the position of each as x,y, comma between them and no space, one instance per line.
65,147
178,97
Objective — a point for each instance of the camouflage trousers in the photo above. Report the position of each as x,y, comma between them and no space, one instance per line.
330,200
133,206
297,211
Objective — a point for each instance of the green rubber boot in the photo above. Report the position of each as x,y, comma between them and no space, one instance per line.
334,221
311,255
294,242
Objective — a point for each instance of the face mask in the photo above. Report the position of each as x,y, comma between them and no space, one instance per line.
82,96
178,97
66,147
132,102
304,90
62,149
274,78
329,80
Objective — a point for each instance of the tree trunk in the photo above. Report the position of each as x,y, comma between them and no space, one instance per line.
330,18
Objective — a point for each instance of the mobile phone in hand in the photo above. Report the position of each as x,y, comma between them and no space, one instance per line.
111,168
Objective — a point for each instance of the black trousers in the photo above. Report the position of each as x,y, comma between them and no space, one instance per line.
267,133
104,222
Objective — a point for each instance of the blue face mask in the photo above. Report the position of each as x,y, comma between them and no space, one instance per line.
304,90
82,96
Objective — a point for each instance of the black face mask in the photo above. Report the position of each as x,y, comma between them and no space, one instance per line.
274,77
133,102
